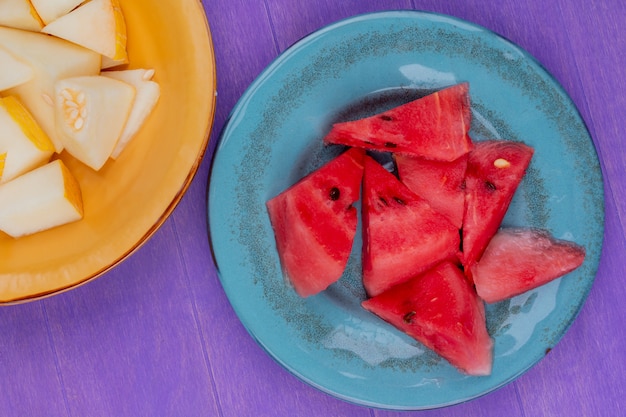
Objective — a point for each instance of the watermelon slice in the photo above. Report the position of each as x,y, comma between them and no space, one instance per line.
435,127
402,234
494,170
518,260
441,183
315,223
440,309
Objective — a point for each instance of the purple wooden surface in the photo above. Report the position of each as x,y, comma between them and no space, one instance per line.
157,337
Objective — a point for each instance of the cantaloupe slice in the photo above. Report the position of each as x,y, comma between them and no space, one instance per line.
97,25
147,96
25,145
50,10
20,14
51,59
90,114
13,71
43,198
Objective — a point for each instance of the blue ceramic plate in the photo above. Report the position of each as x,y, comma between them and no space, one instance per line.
274,137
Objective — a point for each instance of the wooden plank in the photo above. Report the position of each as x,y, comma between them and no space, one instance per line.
293,23
28,364
127,343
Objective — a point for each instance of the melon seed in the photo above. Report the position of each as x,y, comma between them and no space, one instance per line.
408,317
399,201
334,194
490,186
501,163
386,117
47,99
73,103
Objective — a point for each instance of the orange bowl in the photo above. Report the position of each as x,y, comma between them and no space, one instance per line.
129,198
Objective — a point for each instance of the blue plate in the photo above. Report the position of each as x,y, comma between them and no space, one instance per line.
274,137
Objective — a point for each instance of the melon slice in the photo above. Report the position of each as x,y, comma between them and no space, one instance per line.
20,14
494,171
440,309
97,25
51,59
519,260
148,93
434,127
90,115
402,234
49,10
22,141
108,63
43,198
3,158
13,71
441,183
314,223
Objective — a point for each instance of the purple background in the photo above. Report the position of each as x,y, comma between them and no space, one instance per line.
157,337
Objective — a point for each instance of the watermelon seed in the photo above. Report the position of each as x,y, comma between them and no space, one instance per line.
334,194
386,117
382,199
408,317
490,186
390,145
399,201
501,163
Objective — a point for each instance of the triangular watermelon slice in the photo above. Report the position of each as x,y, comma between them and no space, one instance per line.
402,234
315,223
441,183
495,168
518,260
435,127
440,309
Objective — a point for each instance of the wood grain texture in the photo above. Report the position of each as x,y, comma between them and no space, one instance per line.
157,336
129,343
28,363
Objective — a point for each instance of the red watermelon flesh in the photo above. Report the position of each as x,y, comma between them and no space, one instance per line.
402,234
440,309
314,223
435,127
518,260
495,168
441,183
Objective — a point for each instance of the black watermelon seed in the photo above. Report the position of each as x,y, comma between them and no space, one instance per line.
334,194
408,317
490,186
386,117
